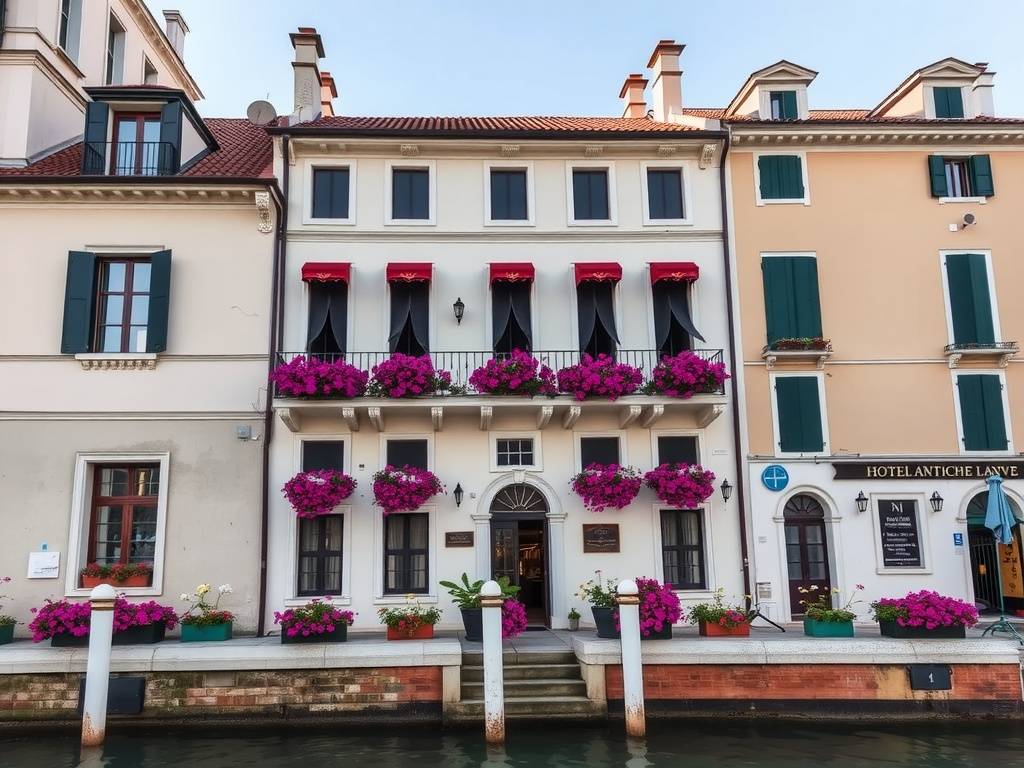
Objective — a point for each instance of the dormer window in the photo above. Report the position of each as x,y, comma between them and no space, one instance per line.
137,146
783,105
949,102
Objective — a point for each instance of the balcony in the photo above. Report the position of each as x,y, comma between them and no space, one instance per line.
130,158
460,400
797,350
998,352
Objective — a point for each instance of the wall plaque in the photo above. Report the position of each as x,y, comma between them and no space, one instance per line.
928,470
458,538
898,527
600,537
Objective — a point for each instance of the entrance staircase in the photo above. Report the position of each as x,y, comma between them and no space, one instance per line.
538,685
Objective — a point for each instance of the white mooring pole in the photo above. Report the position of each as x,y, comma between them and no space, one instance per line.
494,683
97,671
632,665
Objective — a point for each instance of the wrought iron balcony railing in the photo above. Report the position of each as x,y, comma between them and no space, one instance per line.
130,158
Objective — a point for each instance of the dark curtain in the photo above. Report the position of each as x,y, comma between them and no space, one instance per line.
328,317
410,320
673,327
511,316
596,317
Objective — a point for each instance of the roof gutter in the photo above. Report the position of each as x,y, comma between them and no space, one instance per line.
324,131
138,181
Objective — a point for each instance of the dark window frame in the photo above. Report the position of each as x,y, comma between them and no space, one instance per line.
139,163
322,553
663,170
958,177
65,24
331,169
406,553
128,297
417,170
680,549
114,28
618,442
658,437
777,105
588,170
412,439
492,218
128,503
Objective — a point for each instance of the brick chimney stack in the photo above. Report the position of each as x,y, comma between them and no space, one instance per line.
328,92
668,80
309,49
632,95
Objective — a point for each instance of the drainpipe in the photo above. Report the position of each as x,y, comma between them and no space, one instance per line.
276,315
740,494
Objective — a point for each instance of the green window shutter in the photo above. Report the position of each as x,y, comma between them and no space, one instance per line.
791,300
789,105
781,177
995,421
807,303
981,412
159,301
937,174
969,302
949,102
981,175
799,413
94,147
768,172
79,294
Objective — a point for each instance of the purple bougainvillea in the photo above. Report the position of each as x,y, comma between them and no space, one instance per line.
316,493
683,486
313,377
407,376
404,489
57,617
606,485
513,618
518,374
599,377
316,617
925,609
685,375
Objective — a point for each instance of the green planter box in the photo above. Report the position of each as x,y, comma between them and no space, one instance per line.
814,628
6,633
208,634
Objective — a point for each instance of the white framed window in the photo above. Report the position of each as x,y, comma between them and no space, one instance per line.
941,99
508,194
665,189
69,29
978,318
114,65
677,446
778,180
330,192
410,192
516,450
85,497
415,448
982,408
150,76
592,209
901,513
683,548
600,448
772,105
799,414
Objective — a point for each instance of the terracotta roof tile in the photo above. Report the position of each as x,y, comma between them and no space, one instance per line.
486,125
842,116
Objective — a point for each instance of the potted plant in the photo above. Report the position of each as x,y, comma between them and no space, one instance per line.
924,615
318,492
683,486
606,485
601,597
7,623
67,624
466,596
313,377
659,609
118,575
410,621
404,489
205,622
800,344
599,377
574,620
516,374
821,619
407,376
315,622
685,375
716,619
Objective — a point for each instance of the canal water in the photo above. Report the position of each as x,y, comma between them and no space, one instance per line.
691,744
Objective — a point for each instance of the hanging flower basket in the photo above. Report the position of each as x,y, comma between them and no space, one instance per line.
404,489
599,377
517,374
313,377
606,485
682,486
685,375
407,376
316,493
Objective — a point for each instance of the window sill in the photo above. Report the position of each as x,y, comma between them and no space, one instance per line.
772,357
978,200
298,602
784,201
1001,353
509,223
410,223
402,600
310,221
152,591
111,361
668,222
593,223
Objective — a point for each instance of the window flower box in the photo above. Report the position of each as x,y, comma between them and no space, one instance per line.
315,378
67,624
410,621
403,376
208,633
318,492
404,489
682,486
422,632
893,629
816,628
518,374
6,632
118,576
315,622
924,615
817,350
606,485
338,635
712,629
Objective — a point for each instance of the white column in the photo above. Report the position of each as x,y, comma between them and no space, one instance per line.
97,671
494,683
632,664
482,544
556,564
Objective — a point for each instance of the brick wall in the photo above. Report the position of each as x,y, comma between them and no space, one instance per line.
411,692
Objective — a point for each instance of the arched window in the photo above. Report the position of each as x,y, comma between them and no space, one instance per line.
978,506
519,498
803,507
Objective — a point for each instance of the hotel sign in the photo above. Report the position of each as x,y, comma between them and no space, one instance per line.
928,470
901,537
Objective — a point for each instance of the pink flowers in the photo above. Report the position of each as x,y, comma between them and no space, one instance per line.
683,486
316,493
659,606
602,486
61,616
600,377
513,618
685,375
925,609
313,377
314,618
517,374
404,489
407,376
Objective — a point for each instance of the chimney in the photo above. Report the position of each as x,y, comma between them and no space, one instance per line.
176,29
328,92
632,95
984,84
668,80
309,49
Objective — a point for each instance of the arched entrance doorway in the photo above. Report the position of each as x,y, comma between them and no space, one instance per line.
520,546
984,570
806,550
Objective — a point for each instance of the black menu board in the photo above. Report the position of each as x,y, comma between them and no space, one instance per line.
898,526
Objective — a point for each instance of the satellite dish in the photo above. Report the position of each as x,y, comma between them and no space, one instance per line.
261,112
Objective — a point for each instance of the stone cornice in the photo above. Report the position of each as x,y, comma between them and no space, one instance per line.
127,194
874,134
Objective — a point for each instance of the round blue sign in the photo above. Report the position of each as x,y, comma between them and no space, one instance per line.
775,477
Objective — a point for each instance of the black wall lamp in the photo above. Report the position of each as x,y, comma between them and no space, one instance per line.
862,502
936,501
460,309
726,490
458,493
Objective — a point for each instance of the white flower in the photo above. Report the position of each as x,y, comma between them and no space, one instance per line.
186,597
225,589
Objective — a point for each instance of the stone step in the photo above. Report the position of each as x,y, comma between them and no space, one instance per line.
511,658
534,707
521,672
517,689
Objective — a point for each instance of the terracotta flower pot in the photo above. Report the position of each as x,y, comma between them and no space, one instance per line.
717,630
139,580
423,632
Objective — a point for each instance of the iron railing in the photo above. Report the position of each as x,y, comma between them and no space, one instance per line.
462,364
130,158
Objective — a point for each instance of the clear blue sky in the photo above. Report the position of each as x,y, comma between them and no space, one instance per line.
569,57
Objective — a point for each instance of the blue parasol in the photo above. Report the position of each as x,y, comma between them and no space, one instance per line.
999,519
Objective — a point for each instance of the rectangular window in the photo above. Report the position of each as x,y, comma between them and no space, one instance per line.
413,452
330,193
149,74
410,318
982,419
949,102
674,330
781,177
599,450
590,194
970,302
509,194
678,449
961,176
791,302
595,308
122,315
783,104
115,53
327,332
323,454
515,452
137,149
406,548
410,193
70,30
65,23
798,406
123,522
665,193
511,322
682,548
320,555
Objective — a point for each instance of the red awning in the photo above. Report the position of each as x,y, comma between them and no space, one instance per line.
598,271
674,270
402,272
512,271
326,271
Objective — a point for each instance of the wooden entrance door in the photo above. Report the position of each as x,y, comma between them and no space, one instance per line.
519,551
806,551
